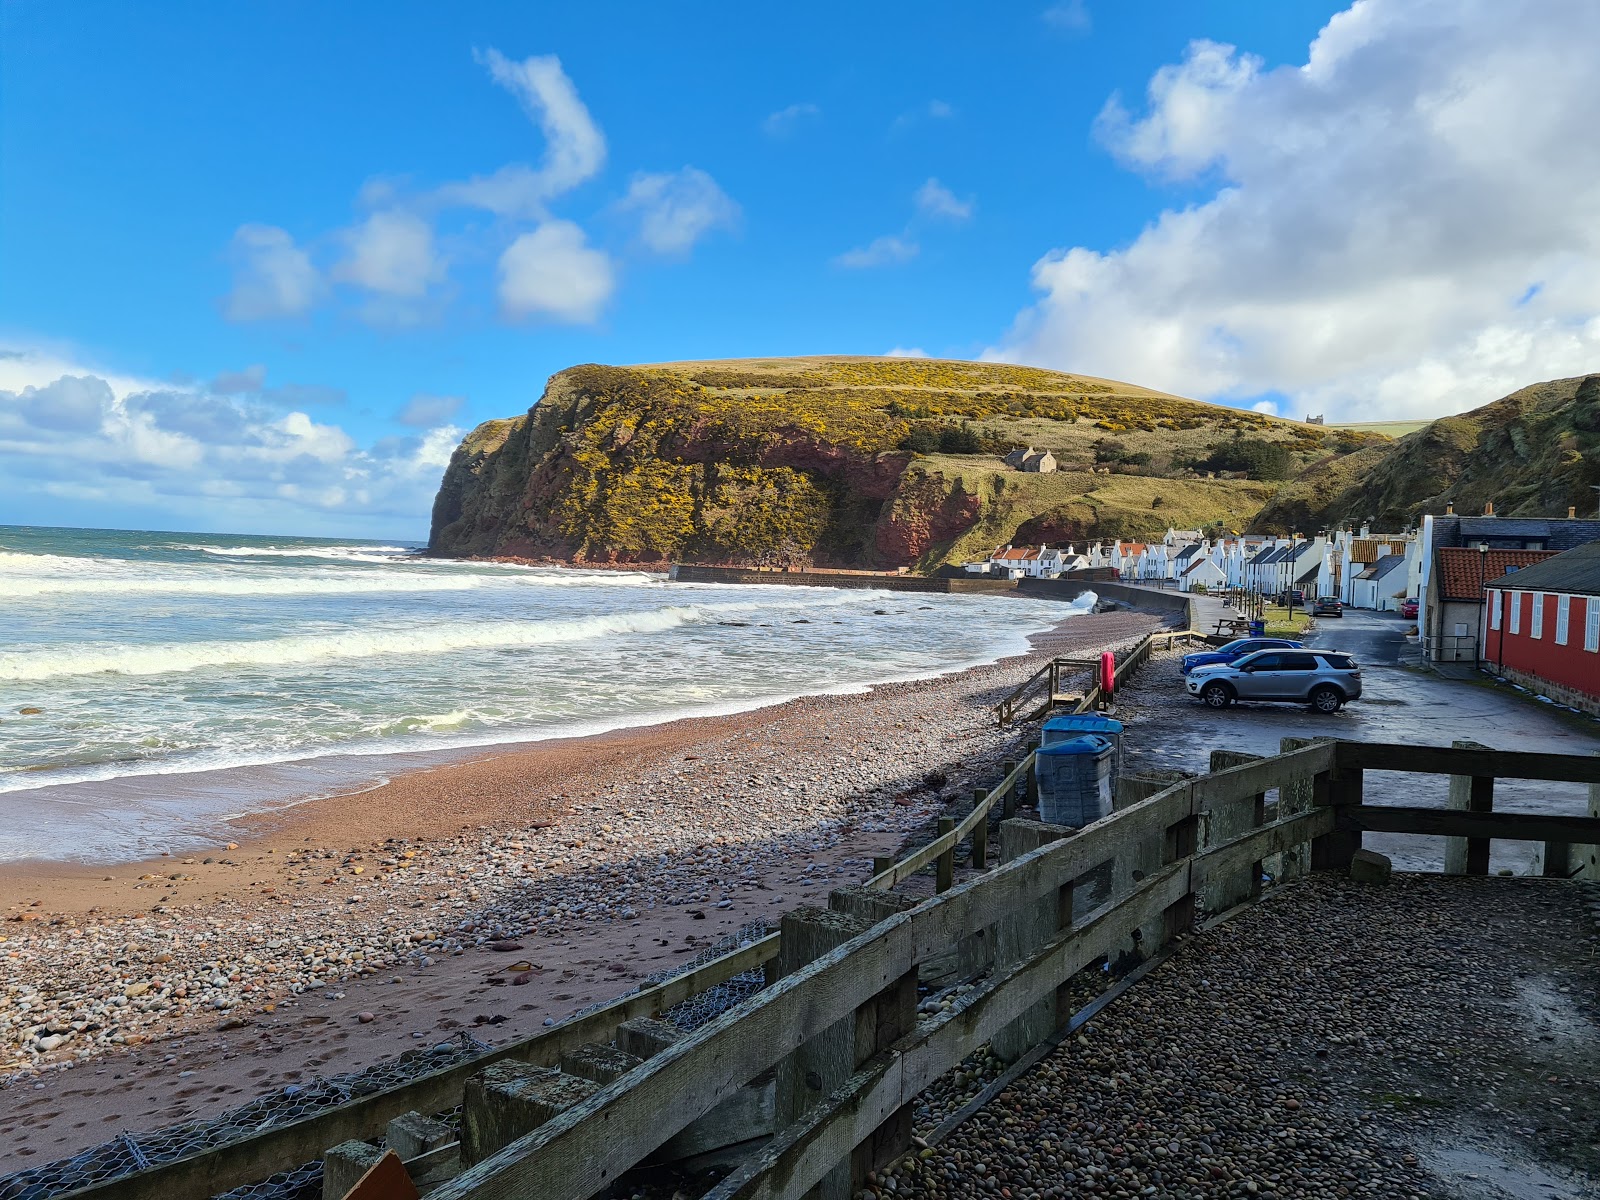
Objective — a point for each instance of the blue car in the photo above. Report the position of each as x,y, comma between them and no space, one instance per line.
1236,649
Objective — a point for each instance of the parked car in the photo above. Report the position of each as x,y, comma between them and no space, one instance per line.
1234,650
1409,610
1328,606
1324,679
1291,597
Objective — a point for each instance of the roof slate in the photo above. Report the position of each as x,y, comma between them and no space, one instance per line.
1383,566
1576,571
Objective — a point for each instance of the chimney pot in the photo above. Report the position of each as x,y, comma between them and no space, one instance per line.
1450,508
1488,508
1572,513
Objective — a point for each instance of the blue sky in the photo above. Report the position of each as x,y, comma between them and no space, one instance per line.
285,254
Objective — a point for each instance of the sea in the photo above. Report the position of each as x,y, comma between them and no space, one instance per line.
155,685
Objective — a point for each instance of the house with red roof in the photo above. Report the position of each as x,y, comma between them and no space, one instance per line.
1541,627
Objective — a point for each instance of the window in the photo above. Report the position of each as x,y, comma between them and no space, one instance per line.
1494,609
1563,613
1516,612
1591,629
1340,662
1264,662
1298,662
1536,624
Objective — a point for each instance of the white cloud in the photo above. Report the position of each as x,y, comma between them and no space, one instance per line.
880,252
786,120
575,149
939,110
424,410
180,450
1069,16
272,277
933,110
1402,226
391,253
938,202
906,352
676,209
1266,407
552,272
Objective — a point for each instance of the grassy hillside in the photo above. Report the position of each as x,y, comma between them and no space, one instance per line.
1532,453
817,459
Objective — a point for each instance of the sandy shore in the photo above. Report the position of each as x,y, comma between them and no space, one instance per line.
347,930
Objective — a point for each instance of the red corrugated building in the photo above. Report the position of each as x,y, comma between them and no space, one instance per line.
1541,627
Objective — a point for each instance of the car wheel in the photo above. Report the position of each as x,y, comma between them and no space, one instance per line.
1327,700
1217,695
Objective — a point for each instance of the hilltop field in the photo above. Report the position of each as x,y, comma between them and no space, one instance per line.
892,462
880,462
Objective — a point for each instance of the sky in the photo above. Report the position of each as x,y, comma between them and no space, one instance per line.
262,265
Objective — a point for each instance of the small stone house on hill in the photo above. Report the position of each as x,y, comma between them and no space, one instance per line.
1541,627
1035,462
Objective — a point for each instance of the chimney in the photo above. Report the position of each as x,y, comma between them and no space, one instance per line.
1450,508
1488,508
1572,513
1366,529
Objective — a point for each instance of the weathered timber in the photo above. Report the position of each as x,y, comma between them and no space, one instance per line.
1460,796
507,1100
600,1064
412,1135
825,1060
643,1037
565,1161
980,831
1480,799
1492,764
945,864
1589,856
1294,796
344,1165
799,1155
1019,935
1223,820
1516,827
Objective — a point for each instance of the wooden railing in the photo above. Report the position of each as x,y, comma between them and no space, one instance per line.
1041,693
862,985
1201,837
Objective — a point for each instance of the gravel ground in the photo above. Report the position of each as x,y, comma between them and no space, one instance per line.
1433,1037
693,829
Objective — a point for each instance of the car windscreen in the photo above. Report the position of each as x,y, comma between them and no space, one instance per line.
1339,662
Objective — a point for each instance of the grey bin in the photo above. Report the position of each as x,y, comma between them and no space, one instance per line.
1075,780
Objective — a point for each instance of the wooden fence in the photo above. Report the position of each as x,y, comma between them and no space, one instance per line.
1040,694
1160,855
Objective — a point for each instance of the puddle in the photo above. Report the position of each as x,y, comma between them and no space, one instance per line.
1551,1014
1478,1175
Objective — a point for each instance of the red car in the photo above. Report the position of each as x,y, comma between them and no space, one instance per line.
1408,610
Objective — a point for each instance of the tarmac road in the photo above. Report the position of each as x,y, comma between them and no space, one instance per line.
1399,703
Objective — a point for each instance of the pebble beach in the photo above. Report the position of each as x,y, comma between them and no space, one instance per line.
337,933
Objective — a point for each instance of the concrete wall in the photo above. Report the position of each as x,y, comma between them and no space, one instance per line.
1173,604
694,573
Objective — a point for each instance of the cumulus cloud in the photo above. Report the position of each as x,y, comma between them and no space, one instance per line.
938,202
676,209
554,273
175,448
906,352
272,276
391,253
933,110
575,149
1401,226
425,410
786,120
880,252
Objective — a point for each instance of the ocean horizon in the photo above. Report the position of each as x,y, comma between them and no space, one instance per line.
154,685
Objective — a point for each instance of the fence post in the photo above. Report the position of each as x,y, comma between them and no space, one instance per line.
1338,788
1019,935
1225,822
980,832
944,867
1031,783
879,1023
1179,841
1589,856
1479,799
1008,802
1455,848
1295,798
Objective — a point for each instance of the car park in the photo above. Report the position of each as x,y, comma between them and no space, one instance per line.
1328,606
1235,649
1325,679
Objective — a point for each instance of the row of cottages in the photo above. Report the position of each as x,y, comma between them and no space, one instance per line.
1028,562
1463,558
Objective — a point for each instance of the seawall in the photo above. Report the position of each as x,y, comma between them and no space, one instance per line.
695,573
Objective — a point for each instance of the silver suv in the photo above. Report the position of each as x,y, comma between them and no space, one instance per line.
1324,679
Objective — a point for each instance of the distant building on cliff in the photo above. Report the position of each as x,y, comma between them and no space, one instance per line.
1036,462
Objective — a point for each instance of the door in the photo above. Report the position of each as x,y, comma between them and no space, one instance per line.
1293,677
1255,679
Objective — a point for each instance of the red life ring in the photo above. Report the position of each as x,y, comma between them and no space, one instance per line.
1108,674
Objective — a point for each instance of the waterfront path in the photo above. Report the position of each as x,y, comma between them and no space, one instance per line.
1432,1036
